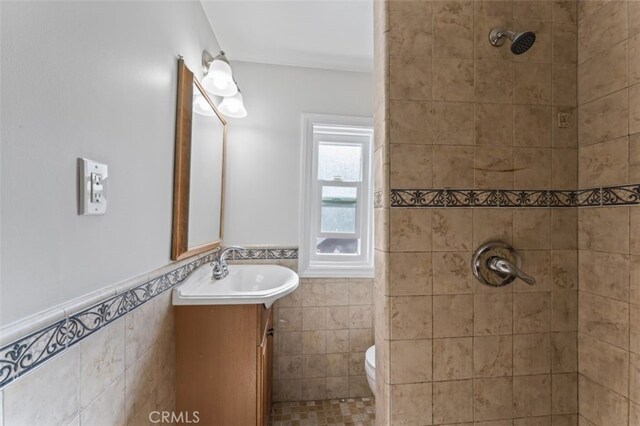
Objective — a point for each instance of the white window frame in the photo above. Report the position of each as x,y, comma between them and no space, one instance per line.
342,130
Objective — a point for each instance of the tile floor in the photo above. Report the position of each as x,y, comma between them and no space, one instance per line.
335,412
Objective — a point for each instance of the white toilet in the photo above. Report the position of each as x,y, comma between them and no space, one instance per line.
370,367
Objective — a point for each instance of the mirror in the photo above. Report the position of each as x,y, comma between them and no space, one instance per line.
199,170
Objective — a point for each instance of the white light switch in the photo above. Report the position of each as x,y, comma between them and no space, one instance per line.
93,187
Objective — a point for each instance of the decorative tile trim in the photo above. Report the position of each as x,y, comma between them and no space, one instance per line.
265,253
378,199
26,353
622,195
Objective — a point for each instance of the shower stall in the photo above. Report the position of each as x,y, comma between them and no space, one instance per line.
536,150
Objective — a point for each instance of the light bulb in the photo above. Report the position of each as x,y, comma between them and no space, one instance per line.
233,106
219,79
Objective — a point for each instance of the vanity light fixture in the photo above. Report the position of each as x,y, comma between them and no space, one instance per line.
201,105
233,106
218,78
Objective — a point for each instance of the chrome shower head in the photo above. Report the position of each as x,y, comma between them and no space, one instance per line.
520,42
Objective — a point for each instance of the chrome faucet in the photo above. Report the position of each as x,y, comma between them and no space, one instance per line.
220,269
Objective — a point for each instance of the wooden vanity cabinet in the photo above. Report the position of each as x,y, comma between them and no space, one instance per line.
224,356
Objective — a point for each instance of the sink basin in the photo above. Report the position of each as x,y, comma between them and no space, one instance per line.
245,285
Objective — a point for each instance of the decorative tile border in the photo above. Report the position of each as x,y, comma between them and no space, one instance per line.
265,253
593,197
26,353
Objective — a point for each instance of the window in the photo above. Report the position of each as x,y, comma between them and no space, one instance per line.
336,235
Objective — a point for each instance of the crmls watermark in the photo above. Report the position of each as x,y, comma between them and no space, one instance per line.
181,417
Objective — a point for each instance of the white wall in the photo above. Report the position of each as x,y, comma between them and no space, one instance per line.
97,80
263,161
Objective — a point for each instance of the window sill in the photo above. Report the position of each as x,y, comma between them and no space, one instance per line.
367,272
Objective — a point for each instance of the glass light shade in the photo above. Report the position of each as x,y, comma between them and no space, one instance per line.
219,79
201,105
233,106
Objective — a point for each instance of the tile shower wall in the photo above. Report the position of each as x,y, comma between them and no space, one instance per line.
454,112
609,238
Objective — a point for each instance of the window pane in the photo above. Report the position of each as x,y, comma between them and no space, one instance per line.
339,162
338,209
337,246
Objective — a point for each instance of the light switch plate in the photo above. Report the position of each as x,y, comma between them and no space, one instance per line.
92,187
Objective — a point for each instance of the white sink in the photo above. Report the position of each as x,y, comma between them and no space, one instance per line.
245,285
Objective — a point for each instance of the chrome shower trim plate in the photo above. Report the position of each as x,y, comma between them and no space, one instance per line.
483,255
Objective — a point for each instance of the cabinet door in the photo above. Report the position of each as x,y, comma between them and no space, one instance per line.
265,369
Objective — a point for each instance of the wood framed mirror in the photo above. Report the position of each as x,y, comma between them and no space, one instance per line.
198,183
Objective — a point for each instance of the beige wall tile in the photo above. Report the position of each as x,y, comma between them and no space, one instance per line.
564,85
108,408
532,395
493,356
565,137
336,294
605,229
453,124
564,168
564,352
313,389
603,119
337,341
531,229
605,163
564,266
634,332
493,314
532,168
600,405
140,384
602,29
289,319
289,367
411,317
538,264
453,35
411,403
453,166
493,398
494,168
289,342
564,229
564,311
564,393
337,317
358,387
410,274
634,17
410,78
492,224
634,57
634,377
48,394
531,312
453,7
634,229
287,390
313,318
411,166
605,274
531,353
604,363
491,127
634,158
313,366
411,122
605,319
494,81
453,315
453,401
101,361
360,340
532,125
313,342
634,109
452,359
534,9
565,43
453,79
494,8
410,361
313,293
360,316
532,84
411,29
336,387
564,11
451,273
603,74
452,229
410,230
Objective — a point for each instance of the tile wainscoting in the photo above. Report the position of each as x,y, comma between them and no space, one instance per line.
105,358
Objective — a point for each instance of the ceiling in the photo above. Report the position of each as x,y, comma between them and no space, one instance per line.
332,34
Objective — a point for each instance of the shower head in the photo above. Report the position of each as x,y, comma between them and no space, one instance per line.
520,42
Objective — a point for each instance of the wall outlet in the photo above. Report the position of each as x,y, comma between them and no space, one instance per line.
563,120
92,179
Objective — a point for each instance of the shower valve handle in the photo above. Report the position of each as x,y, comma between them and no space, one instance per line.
503,266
